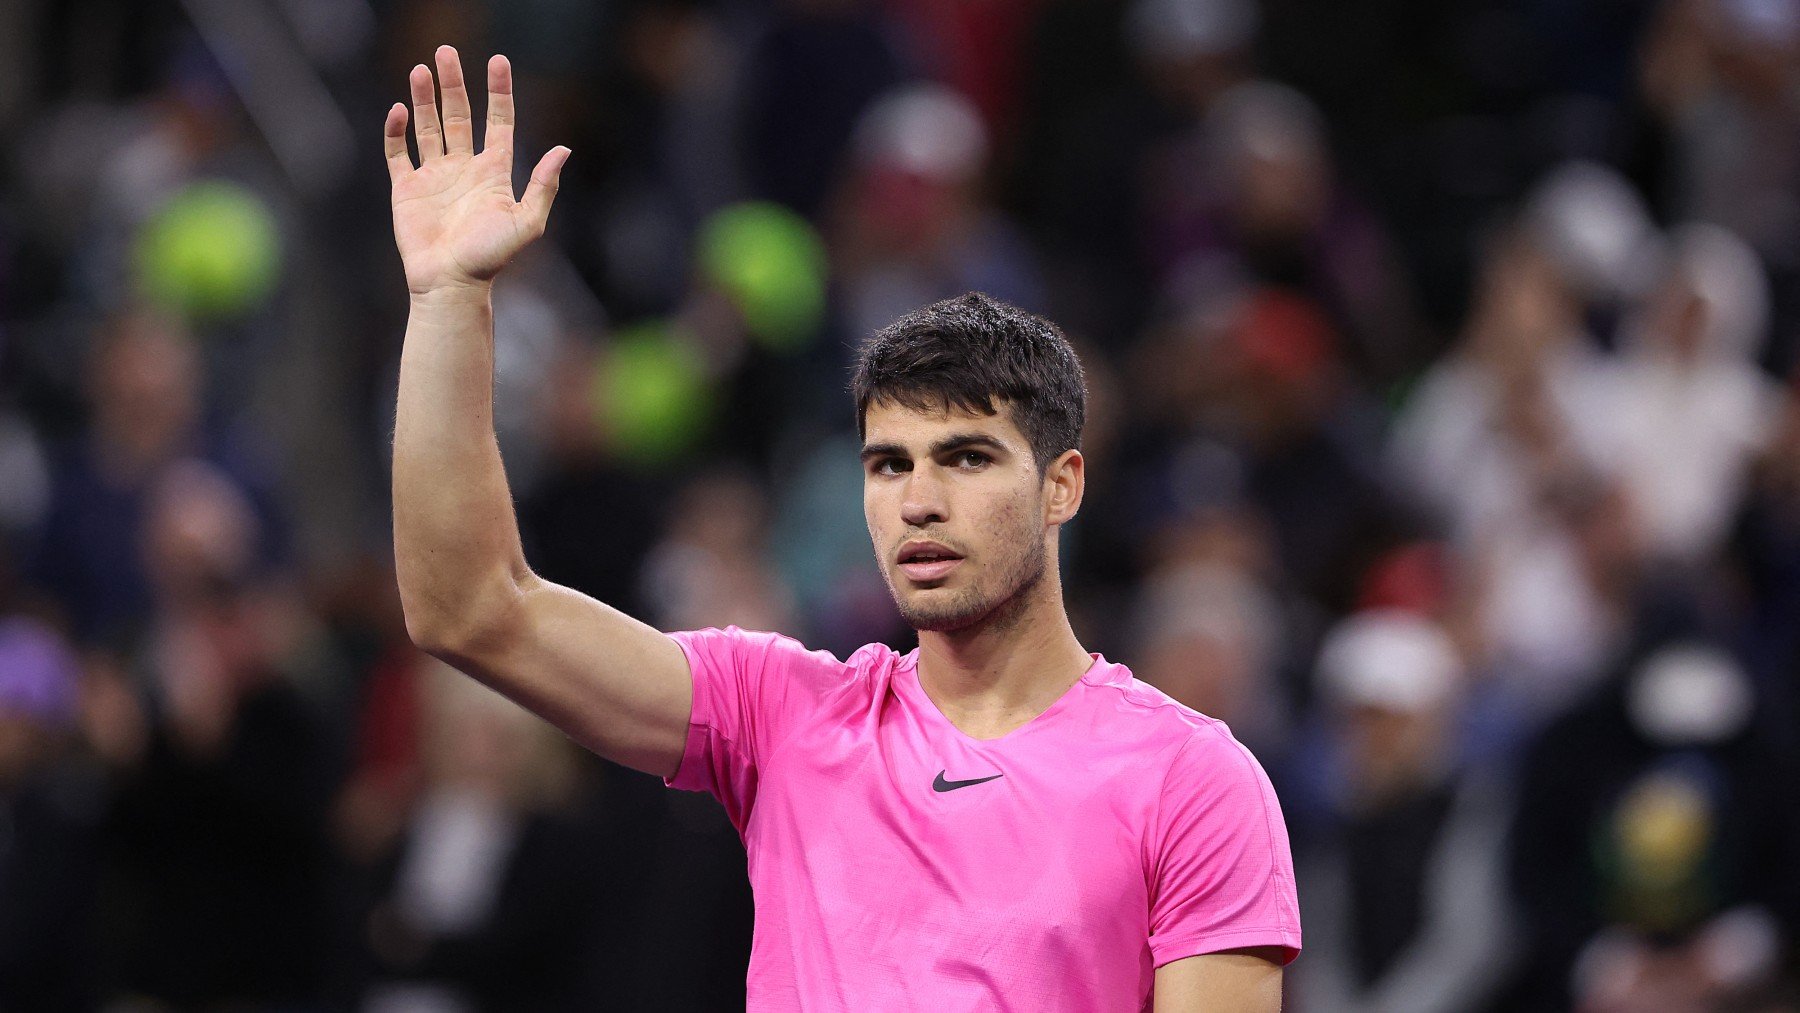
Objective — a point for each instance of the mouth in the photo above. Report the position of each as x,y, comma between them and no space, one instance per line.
924,562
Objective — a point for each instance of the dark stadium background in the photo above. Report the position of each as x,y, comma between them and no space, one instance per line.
1445,441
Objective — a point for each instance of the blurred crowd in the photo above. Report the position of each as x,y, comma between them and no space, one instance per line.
1444,441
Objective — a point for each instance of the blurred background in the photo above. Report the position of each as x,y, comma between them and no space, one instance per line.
1444,440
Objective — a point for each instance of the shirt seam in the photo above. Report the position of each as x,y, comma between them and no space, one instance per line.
1262,801
1247,765
1206,721
1179,942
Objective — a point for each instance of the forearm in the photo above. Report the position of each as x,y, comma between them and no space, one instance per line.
456,541
608,681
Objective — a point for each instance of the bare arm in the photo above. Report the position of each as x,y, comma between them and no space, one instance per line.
608,681
1235,981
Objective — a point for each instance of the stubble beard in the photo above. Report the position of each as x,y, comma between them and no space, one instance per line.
971,607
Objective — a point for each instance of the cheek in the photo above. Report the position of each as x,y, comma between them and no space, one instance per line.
1027,510
874,516
1014,521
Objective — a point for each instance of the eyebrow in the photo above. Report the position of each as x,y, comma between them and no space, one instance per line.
952,442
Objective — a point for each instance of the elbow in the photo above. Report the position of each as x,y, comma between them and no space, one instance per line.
462,630
435,634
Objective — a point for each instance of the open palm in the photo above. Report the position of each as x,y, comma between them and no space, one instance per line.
455,219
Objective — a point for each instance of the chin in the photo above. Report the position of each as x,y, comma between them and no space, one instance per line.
963,610
936,623
956,611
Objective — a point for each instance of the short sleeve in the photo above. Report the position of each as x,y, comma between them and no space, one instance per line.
1224,875
750,690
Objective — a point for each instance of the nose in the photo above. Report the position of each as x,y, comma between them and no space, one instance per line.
923,502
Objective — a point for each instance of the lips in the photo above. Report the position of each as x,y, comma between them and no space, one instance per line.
924,561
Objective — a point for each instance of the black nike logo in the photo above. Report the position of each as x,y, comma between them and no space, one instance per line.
943,785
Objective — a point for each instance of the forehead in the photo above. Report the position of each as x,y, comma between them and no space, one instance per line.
890,422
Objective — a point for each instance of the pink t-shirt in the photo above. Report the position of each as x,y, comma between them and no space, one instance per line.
900,864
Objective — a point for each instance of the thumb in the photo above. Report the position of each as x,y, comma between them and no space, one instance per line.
540,193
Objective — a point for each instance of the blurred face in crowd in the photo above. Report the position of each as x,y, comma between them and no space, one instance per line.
1394,751
200,534
1281,190
959,512
1523,309
145,385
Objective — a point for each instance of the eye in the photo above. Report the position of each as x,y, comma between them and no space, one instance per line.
971,459
889,465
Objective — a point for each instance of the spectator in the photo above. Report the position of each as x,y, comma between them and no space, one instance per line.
1407,875
1655,845
1254,190
146,388
1502,442
486,900
219,816
912,227
1693,409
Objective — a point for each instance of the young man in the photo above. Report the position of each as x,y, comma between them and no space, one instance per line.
997,820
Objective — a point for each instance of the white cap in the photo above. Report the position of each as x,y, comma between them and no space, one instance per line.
1390,659
1596,227
925,129
1690,694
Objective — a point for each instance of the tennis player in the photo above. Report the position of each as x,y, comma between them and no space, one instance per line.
997,820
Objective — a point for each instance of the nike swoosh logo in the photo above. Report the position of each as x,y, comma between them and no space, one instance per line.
942,785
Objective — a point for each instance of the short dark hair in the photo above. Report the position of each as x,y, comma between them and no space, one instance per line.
970,352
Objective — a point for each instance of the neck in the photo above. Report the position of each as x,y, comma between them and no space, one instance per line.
998,674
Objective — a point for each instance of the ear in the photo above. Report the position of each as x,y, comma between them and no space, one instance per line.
1065,481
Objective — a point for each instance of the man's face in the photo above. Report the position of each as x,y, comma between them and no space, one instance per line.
956,511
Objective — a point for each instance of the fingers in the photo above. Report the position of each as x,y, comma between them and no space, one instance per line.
541,191
426,131
459,129
393,143
500,105
454,135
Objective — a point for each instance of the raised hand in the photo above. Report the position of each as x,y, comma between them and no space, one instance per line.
455,219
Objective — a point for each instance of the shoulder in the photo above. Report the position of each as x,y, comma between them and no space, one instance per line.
1216,847
1193,757
777,653
1147,714
737,640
